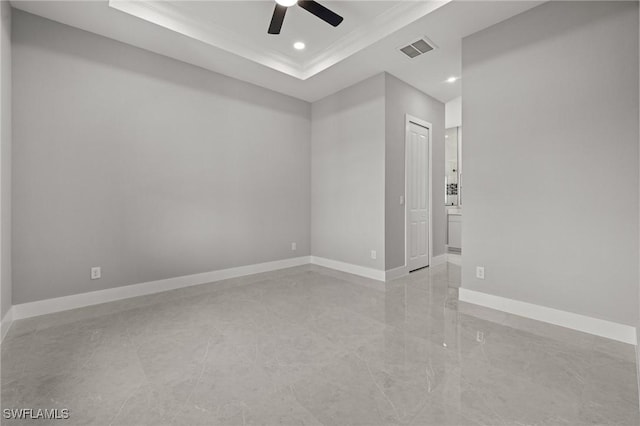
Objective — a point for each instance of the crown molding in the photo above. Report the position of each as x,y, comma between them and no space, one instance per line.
167,15
364,36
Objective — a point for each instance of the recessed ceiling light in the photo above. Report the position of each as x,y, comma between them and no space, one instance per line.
452,79
298,45
286,3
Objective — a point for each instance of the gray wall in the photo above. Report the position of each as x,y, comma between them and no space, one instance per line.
550,106
145,166
5,158
402,99
347,177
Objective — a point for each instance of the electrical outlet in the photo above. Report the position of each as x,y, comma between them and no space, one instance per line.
480,272
96,273
402,200
294,246
480,337
374,255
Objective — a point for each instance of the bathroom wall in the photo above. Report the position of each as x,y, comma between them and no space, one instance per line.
453,113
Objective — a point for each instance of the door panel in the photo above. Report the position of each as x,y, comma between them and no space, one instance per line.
417,149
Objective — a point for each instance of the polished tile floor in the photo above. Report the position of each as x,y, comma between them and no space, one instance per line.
309,345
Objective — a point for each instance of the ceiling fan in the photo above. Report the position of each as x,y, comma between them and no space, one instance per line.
310,6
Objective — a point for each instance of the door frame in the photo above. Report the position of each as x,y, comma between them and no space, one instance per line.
408,119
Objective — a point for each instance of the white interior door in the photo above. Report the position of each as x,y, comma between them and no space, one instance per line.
417,152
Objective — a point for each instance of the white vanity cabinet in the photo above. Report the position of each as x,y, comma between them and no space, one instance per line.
454,230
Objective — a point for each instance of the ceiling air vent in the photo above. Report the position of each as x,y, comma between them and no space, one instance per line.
417,48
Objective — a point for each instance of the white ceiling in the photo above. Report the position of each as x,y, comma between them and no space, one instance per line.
230,37
240,27
300,25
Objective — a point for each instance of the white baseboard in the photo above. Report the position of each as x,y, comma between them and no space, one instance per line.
638,359
454,258
439,259
58,304
611,330
5,324
395,273
363,271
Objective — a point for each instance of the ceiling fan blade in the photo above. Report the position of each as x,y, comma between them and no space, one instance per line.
277,19
321,12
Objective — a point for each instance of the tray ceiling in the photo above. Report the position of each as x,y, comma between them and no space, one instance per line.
240,27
